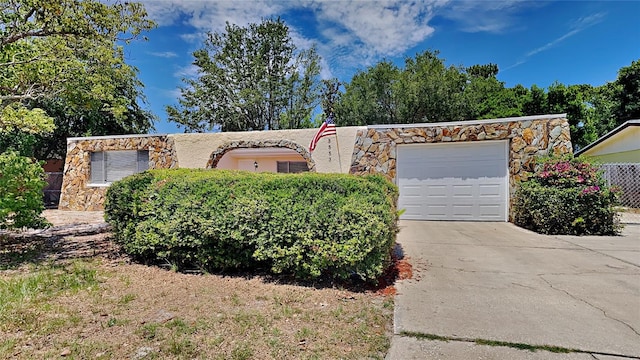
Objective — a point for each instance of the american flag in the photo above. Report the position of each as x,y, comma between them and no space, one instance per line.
327,128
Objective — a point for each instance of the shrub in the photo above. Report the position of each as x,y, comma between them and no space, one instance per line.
21,185
566,196
310,225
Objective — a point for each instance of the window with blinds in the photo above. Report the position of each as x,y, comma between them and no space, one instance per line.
110,166
292,166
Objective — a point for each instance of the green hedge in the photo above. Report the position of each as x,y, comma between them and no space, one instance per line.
566,196
310,225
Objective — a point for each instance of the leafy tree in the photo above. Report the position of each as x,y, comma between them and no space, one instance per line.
431,91
65,51
370,97
535,102
63,56
628,92
573,100
603,105
609,105
488,98
330,94
250,78
89,119
424,90
485,71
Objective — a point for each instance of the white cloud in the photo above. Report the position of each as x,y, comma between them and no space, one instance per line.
210,15
381,27
351,32
193,37
487,16
164,54
578,26
172,94
189,71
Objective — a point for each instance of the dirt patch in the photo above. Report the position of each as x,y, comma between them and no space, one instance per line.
400,269
63,217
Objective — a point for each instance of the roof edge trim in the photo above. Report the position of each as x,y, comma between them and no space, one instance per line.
108,137
469,122
608,135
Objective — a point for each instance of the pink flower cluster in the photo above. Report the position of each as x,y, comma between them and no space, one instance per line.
590,189
568,173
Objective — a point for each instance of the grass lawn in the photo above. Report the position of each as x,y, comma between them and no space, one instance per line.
77,297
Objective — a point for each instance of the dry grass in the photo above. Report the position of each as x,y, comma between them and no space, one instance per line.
54,303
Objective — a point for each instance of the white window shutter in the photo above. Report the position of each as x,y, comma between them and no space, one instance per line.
120,163
97,168
143,160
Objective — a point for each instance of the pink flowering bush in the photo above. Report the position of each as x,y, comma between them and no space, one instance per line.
567,196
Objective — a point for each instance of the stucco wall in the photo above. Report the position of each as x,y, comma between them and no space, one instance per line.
76,194
619,157
194,150
621,147
265,163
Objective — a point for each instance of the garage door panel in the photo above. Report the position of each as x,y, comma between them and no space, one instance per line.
454,181
410,191
464,191
488,210
489,190
412,211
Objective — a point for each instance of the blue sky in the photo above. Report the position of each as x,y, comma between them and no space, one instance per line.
532,42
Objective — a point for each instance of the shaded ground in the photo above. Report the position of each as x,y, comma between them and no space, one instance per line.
79,297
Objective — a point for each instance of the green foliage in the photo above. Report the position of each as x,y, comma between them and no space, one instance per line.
46,46
87,119
566,196
21,184
16,117
370,97
250,78
63,59
628,94
310,225
426,90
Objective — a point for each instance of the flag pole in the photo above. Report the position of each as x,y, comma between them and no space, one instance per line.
338,147
337,144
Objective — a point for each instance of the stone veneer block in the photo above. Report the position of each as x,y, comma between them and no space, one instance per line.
77,195
222,150
375,148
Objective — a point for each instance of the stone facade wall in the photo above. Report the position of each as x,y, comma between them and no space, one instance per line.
219,152
375,148
77,194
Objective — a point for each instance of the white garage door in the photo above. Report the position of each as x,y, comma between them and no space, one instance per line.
453,181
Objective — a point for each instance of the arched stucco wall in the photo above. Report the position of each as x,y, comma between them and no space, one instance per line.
222,150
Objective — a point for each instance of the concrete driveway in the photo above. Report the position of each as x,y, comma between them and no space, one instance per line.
513,288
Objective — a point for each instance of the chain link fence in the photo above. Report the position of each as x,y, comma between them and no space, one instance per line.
627,177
